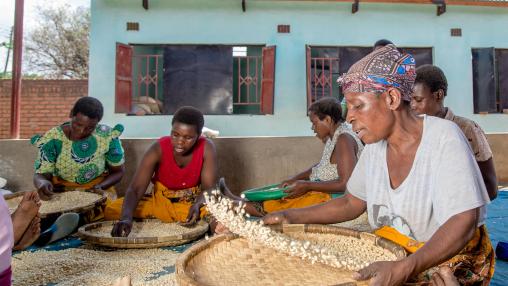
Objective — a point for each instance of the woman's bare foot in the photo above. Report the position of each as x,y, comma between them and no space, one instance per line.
444,277
31,234
27,209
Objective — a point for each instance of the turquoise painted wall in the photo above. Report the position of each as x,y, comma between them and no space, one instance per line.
314,23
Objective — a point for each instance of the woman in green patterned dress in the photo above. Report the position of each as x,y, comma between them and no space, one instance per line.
80,154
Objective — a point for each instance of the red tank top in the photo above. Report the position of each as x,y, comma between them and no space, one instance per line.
174,177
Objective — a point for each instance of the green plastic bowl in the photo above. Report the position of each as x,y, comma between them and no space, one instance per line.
271,192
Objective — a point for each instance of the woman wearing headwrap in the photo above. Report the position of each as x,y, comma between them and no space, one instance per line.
416,178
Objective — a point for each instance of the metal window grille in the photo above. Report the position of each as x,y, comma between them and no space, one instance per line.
248,82
321,77
147,77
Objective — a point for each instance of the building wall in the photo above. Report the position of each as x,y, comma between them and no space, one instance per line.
245,162
315,23
44,104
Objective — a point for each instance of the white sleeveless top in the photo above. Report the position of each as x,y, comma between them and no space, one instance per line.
325,170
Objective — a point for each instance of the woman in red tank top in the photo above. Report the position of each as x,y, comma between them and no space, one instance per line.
171,174
180,166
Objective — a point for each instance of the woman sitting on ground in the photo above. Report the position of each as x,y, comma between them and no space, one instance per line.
416,177
428,97
327,178
80,155
181,166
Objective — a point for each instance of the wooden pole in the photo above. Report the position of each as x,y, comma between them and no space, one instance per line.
16,69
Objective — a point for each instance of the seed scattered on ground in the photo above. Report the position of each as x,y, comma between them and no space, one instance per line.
83,266
60,202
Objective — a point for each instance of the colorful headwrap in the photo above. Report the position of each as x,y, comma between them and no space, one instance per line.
381,69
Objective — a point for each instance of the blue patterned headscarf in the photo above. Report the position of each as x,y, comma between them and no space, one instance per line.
383,68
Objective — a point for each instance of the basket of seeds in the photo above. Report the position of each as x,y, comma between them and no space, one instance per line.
62,202
147,233
257,254
233,260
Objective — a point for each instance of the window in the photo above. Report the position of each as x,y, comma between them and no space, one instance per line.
490,80
326,64
217,79
247,64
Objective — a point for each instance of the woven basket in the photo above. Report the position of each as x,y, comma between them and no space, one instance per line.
139,242
230,260
99,202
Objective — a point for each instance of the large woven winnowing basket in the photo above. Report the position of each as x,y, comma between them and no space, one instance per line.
85,232
231,260
101,200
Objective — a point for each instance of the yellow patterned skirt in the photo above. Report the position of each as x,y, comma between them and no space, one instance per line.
474,265
164,204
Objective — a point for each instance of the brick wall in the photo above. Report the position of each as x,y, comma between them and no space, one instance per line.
44,104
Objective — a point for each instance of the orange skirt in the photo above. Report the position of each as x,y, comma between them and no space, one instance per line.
308,199
162,204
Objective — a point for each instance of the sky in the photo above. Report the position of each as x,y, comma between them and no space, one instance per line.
30,19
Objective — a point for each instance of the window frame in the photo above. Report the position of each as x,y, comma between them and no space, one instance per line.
125,97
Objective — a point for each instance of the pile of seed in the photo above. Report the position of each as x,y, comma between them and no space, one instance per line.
150,228
364,250
60,201
344,256
82,266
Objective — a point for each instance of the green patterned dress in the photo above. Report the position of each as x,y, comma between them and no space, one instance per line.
78,161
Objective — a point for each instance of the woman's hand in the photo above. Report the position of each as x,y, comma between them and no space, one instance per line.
297,189
444,277
97,189
193,216
276,218
385,273
122,228
287,182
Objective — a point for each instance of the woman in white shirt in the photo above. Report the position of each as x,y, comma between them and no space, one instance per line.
417,179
